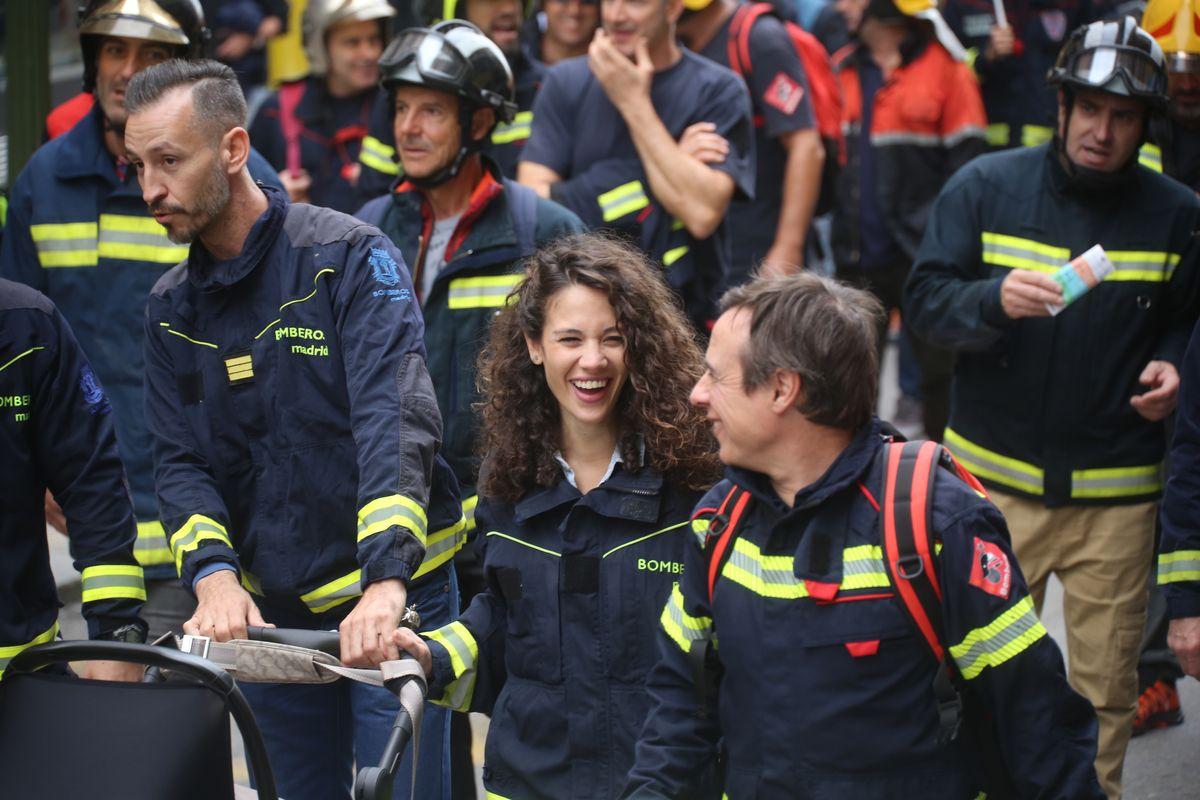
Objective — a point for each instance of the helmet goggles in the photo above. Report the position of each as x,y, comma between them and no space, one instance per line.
1097,67
433,56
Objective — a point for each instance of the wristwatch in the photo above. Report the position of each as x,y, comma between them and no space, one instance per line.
132,633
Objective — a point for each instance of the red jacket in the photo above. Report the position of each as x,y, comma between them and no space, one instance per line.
928,121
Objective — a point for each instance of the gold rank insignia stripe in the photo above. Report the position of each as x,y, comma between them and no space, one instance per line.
240,368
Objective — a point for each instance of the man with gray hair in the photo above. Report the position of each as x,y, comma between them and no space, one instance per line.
295,427
824,686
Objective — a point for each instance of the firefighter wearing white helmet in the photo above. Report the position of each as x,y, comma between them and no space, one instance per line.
311,130
1065,376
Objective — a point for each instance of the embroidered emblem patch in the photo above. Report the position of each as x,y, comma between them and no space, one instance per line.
991,570
784,93
384,267
93,395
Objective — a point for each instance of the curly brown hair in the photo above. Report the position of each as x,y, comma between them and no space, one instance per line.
521,422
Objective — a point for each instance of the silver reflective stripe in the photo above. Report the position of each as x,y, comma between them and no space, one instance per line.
1117,482
318,604
1179,566
381,514
906,137
994,248
58,245
992,645
964,133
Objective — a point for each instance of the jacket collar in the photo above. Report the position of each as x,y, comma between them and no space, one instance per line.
476,229
848,468
625,495
205,273
83,154
316,104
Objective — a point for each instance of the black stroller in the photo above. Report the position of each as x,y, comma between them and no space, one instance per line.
63,738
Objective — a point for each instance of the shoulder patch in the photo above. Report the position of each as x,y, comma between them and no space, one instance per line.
991,570
784,93
384,267
93,395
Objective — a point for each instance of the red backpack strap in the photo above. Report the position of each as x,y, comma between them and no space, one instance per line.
721,530
908,483
739,34
290,95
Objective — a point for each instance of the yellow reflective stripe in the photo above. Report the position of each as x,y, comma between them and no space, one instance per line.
240,368
1150,156
491,291
68,258
1002,250
8,652
770,576
624,199
774,577
334,593
1117,482
972,57
681,626
463,650
158,254
378,156
863,568
490,795
641,539
192,533
3,210
18,357
984,463
468,507
251,583
49,231
1006,636
1179,566
674,254
516,131
1034,135
137,238
167,328
997,133
150,548
1142,265
113,582
700,528
383,513
515,540
441,547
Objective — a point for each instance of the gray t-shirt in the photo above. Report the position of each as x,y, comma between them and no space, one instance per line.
435,252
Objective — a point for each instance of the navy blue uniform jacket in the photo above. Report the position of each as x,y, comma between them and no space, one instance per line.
557,647
832,699
294,422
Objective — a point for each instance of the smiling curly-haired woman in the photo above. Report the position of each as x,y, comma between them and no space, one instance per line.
594,460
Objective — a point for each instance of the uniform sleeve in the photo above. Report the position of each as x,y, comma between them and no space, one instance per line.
1181,298
378,154
550,140
604,192
468,654
727,106
1046,731
948,300
77,457
1179,549
777,81
189,499
680,736
393,411
18,256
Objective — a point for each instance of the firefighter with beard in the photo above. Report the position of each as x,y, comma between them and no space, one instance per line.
78,231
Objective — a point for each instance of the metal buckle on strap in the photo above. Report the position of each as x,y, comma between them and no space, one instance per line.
910,567
195,645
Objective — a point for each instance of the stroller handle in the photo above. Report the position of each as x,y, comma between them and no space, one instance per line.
325,641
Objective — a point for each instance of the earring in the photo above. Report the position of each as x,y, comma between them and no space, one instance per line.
535,359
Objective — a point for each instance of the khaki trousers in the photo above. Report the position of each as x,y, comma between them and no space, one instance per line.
1102,556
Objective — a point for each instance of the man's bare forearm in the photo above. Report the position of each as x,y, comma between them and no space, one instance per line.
801,190
694,193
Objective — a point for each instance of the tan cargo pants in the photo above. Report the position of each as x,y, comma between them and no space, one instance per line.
1102,555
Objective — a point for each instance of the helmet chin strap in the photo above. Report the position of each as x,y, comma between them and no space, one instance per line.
451,170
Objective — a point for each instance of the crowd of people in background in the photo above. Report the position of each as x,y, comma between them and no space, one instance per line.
508,230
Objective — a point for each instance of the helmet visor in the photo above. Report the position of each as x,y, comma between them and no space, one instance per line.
434,57
1099,65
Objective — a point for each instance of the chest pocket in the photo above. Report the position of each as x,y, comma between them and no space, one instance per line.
527,576
637,577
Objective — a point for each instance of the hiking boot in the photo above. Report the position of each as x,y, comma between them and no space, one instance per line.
1158,707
